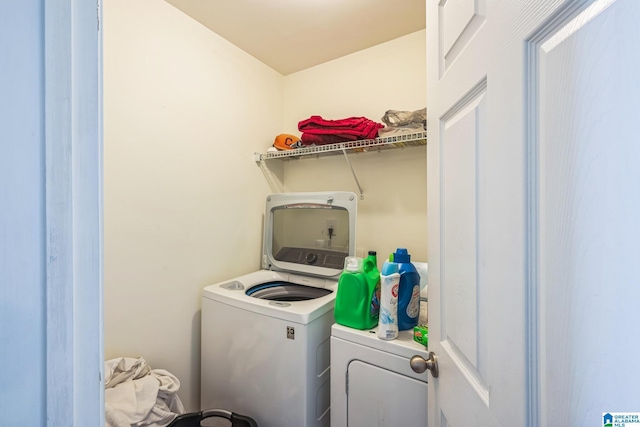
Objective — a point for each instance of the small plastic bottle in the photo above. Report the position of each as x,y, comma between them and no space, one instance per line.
389,284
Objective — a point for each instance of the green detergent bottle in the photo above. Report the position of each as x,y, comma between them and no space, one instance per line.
357,300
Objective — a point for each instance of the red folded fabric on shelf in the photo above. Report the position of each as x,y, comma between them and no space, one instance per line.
312,139
318,131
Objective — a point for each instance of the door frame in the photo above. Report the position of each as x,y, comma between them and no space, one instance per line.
73,212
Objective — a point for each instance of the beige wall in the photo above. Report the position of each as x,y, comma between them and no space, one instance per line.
183,112
390,76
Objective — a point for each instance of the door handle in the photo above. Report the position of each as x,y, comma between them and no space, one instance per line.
419,364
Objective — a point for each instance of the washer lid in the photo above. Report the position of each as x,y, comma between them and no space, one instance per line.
310,233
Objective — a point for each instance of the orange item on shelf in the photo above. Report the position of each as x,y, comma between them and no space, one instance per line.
286,142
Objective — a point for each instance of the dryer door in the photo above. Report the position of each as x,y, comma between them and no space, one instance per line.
380,397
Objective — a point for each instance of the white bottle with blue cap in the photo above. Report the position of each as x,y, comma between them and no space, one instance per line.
389,285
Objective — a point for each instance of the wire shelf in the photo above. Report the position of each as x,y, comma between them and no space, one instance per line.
366,145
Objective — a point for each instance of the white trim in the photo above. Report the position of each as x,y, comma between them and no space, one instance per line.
73,180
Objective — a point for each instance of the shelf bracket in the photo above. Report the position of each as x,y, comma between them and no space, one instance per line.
353,173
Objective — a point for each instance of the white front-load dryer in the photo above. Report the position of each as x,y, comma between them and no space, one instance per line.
372,382
265,349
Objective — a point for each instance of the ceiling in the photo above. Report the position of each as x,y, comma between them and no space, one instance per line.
292,35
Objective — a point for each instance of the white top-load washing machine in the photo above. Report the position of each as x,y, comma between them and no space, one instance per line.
372,381
266,335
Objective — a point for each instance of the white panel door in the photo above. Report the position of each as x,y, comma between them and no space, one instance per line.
533,205
585,67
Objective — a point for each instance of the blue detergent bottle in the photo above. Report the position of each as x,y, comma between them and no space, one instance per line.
409,290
